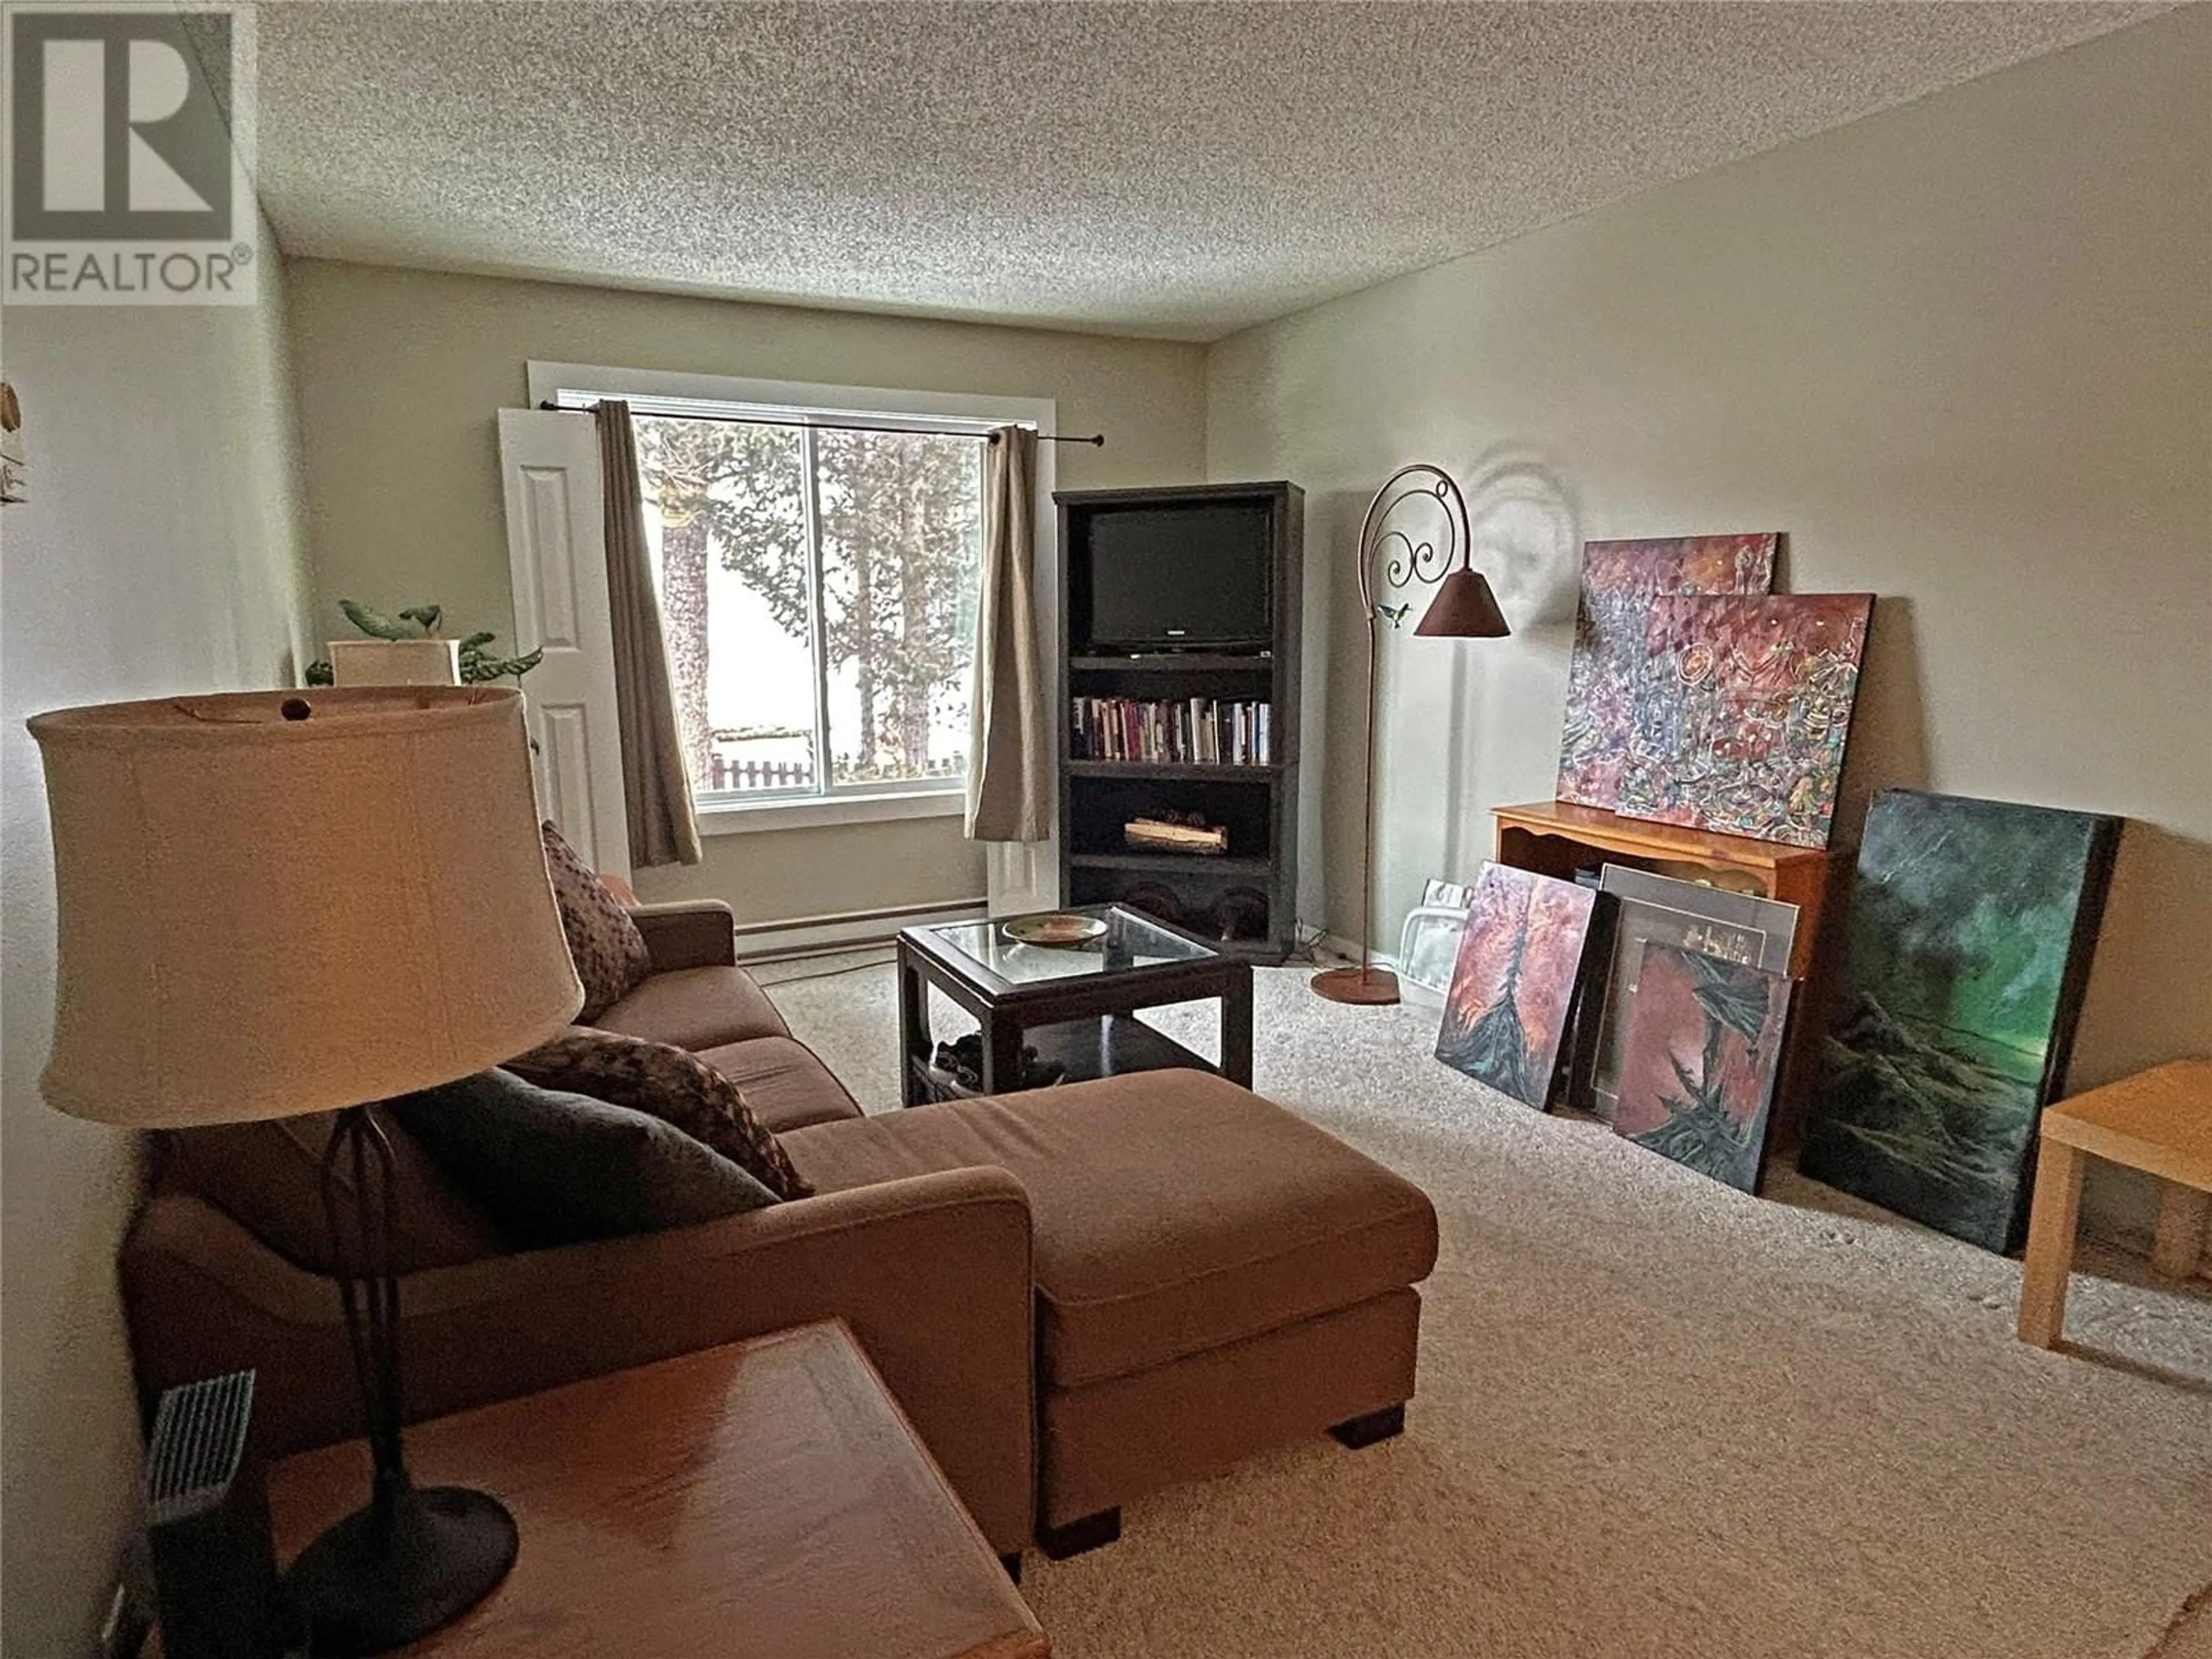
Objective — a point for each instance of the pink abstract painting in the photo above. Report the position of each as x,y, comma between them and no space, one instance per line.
1704,1046
1513,985
1619,581
1743,708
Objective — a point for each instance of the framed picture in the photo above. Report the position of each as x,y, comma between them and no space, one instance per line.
1737,927
15,485
1971,926
1514,983
1698,1066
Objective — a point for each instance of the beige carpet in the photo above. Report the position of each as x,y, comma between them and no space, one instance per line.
1657,1417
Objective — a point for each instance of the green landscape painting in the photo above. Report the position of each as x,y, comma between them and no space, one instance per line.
1970,928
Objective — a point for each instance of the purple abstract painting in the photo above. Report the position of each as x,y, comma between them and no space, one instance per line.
1742,711
1619,581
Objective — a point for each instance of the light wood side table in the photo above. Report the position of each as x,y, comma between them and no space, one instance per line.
2159,1121
766,1500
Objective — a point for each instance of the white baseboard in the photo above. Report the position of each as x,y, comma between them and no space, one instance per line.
809,936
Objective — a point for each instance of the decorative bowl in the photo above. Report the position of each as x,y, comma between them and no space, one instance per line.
1059,928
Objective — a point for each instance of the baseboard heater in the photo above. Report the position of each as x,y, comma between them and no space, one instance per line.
824,935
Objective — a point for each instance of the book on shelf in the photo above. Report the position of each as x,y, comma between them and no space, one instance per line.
1196,732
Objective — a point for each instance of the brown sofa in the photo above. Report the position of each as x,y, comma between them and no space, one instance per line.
1078,1295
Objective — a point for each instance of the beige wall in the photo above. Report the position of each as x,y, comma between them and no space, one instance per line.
160,552
1961,353
401,374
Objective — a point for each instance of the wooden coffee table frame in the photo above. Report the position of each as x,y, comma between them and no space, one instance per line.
1083,1021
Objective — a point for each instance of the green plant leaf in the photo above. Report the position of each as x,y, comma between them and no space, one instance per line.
477,667
375,624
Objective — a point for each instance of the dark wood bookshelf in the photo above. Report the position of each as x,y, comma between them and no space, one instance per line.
1177,662
1206,863
1255,802
1234,772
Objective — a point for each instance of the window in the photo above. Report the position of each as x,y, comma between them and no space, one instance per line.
818,565
818,586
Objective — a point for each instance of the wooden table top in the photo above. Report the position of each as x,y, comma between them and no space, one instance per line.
1644,838
2159,1121
766,1500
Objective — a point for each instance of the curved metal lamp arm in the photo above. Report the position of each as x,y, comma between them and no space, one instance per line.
1410,563
1414,561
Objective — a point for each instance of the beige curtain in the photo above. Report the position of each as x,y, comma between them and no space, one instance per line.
664,829
1009,787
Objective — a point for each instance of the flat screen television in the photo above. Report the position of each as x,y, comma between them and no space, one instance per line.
1173,578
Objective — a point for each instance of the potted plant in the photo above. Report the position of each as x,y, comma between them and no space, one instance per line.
407,649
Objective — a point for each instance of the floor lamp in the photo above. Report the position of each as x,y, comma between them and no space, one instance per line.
1463,609
271,904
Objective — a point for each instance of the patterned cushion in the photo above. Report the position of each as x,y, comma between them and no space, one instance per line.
675,1087
609,952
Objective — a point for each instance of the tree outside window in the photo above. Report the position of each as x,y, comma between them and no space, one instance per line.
818,588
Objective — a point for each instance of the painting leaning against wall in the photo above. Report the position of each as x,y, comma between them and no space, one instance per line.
1698,1066
1619,580
1645,906
1971,926
1513,985
1743,712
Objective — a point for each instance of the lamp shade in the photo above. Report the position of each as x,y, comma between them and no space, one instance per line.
1463,609
277,902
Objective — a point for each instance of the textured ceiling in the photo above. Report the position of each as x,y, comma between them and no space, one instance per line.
1177,170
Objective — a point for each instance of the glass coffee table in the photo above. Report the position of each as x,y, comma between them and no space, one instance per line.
1073,1004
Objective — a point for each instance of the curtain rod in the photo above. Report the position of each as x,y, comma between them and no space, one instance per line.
1097,438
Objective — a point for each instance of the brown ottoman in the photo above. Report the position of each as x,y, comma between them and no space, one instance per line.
1214,1274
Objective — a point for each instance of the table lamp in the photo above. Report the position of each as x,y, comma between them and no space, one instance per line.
1463,609
274,903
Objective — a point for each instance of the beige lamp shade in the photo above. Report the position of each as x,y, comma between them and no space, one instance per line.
277,902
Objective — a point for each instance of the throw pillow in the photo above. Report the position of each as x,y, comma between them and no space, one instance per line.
669,1083
560,1169
268,1177
609,952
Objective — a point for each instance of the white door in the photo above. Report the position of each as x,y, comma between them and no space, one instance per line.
548,465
